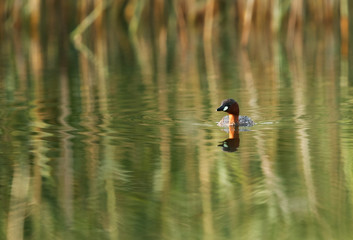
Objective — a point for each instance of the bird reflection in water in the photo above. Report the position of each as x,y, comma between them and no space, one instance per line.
231,144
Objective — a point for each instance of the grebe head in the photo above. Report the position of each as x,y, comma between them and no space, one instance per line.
230,106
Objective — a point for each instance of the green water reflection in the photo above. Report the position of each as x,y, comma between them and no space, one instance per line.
121,142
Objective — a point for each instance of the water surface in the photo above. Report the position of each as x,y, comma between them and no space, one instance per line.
121,142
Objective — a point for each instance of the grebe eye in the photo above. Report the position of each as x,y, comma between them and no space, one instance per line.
225,108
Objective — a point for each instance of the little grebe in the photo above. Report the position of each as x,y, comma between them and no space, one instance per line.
232,108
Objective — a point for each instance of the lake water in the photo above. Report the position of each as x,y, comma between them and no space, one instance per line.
117,138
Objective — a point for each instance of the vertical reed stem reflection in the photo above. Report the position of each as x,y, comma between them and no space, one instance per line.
205,191
18,200
299,84
108,150
165,135
65,165
40,148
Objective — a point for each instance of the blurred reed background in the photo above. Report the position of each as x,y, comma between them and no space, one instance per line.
176,16
170,22
272,15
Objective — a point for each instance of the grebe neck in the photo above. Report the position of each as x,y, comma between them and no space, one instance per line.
233,119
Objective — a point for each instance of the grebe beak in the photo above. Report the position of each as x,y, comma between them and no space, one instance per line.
222,108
